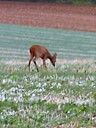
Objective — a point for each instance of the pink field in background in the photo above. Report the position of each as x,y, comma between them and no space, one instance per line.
49,15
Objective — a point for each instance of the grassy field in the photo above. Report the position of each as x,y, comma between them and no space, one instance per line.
15,41
63,96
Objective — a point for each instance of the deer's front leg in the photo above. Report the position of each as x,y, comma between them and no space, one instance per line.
44,64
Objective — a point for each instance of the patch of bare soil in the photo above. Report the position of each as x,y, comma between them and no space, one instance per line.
49,15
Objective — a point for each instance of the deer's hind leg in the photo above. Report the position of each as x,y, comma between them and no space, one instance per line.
31,57
34,60
29,63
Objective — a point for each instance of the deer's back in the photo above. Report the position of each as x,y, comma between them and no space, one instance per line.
39,51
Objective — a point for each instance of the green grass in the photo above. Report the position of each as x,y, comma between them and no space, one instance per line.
48,98
82,1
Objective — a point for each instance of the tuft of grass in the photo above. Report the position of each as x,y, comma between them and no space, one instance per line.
8,104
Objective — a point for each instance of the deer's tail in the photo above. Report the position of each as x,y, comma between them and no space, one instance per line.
29,52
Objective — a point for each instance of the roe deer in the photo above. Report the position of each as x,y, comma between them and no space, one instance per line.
37,51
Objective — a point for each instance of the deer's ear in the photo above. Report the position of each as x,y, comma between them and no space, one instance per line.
55,54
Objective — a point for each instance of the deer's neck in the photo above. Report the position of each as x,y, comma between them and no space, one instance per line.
50,57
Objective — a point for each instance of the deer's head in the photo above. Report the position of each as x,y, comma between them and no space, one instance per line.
53,60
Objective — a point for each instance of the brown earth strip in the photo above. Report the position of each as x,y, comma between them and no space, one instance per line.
49,15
